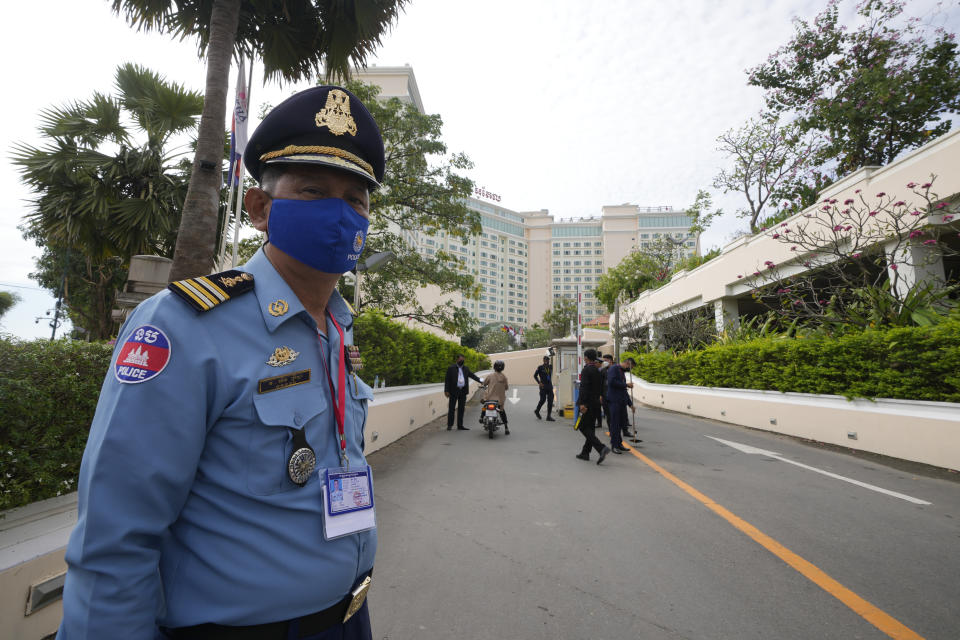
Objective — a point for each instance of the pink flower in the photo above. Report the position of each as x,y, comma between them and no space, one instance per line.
769,263
775,236
942,205
858,190
915,234
900,203
824,208
848,201
739,276
822,301
911,185
783,224
872,213
796,303
793,248
838,228
881,194
848,227
857,255
926,185
894,267
929,242
914,213
834,201
756,273
947,217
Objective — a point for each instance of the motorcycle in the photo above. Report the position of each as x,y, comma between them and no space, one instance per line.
490,417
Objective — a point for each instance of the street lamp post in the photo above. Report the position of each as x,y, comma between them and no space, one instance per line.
372,263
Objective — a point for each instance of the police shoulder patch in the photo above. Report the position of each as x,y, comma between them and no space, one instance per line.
206,292
143,356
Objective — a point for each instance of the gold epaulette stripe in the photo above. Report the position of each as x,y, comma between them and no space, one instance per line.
292,149
217,291
198,289
188,290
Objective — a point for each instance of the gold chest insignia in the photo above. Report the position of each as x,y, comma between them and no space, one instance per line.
335,115
282,356
278,308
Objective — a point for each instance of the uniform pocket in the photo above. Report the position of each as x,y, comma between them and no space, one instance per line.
360,396
270,443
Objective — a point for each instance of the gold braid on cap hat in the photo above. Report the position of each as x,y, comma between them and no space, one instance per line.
292,149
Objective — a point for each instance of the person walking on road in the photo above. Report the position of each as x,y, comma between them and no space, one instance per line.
618,397
589,401
544,377
456,387
497,385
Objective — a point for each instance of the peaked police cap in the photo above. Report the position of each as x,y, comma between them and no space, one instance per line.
327,126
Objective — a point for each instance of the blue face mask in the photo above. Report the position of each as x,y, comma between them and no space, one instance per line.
327,234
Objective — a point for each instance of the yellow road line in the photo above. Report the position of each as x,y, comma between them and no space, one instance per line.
878,618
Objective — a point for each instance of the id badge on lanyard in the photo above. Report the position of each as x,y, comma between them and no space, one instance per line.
347,502
347,493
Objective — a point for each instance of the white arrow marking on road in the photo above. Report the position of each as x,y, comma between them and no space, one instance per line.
776,456
514,398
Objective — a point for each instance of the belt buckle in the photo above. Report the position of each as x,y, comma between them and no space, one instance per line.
359,596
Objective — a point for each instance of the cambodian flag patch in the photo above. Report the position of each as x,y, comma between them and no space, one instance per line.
143,356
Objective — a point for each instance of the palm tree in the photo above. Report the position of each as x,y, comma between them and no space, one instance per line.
107,190
292,37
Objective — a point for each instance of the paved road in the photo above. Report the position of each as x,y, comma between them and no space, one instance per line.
515,538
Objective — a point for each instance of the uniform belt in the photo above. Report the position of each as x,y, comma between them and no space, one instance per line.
307,625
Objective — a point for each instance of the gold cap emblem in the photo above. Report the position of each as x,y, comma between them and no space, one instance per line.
335,116
282,356
278,308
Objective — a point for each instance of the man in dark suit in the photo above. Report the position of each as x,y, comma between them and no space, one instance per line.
618,396
589,401
456,387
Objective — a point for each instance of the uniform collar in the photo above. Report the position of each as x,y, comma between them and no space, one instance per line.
274,293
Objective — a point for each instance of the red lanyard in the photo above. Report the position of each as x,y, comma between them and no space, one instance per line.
339,399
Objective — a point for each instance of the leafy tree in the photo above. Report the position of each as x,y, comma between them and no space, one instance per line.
292,38
496,341
537,336
700,212
560,317
108,186
641,269
7,300
422,193
875,90
771,164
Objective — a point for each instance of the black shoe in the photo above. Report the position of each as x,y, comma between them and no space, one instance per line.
506,431
583,457
616,450
627,434
450,427
463,428
537,413
622,449
603,454
549,419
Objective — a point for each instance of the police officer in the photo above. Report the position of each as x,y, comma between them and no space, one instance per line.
618,397
230,413
544,377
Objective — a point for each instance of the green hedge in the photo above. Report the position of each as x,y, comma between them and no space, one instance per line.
48,391
405,356
914,363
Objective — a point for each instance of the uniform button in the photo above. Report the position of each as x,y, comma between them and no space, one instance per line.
297,420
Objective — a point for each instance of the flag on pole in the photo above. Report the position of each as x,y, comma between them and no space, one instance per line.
238,125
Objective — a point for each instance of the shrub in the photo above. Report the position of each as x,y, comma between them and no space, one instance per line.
405,356
48,391
913,363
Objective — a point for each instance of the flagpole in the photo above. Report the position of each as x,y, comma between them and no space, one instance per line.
236,217
226,214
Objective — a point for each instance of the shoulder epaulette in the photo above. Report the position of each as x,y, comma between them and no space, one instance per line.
206,292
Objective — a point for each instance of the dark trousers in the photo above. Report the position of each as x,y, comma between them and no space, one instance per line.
618,420
587,429
546,395
356,628
458,401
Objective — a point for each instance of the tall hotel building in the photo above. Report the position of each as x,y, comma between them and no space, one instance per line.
525,260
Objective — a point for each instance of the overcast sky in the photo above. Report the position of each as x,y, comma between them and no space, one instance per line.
562,105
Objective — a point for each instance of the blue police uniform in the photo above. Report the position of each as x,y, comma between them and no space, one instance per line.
186,511
617,398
